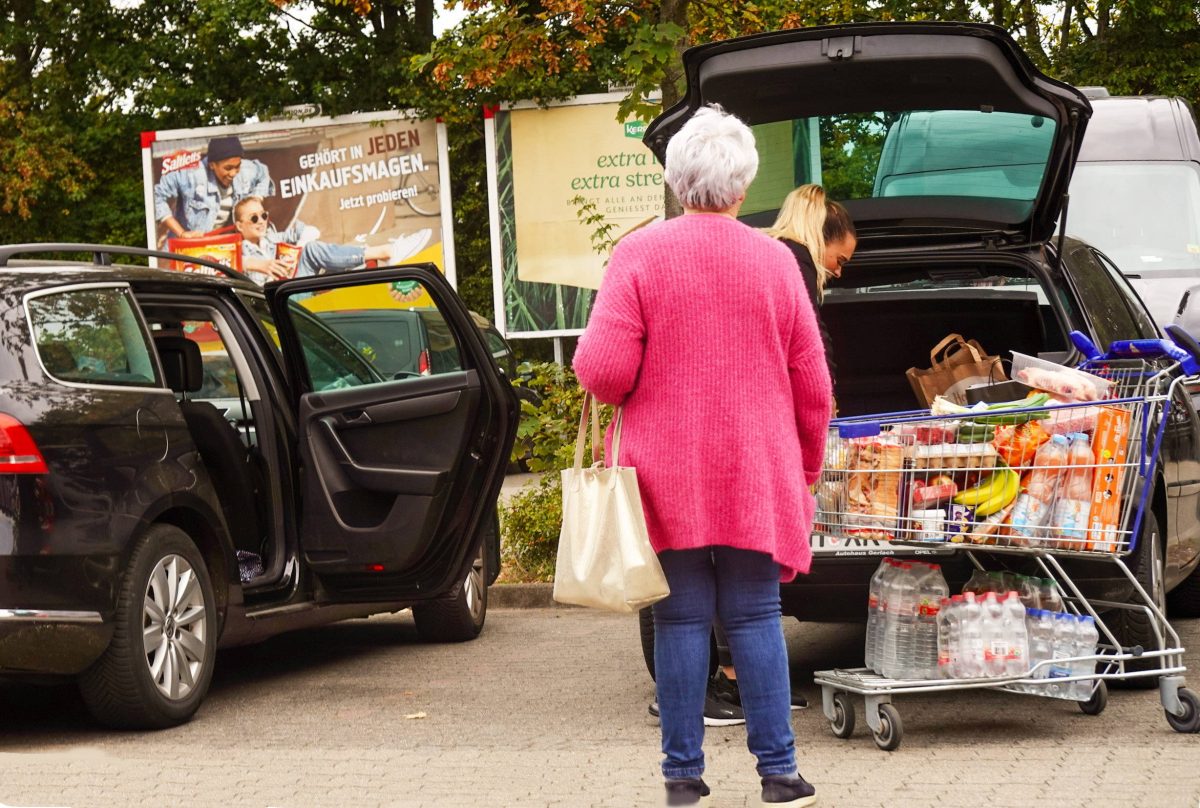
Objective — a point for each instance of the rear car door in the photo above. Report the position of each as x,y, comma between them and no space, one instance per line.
399,471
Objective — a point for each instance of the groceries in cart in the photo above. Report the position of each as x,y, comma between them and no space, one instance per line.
1042,471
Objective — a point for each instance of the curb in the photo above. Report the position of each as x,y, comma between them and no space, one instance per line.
523,596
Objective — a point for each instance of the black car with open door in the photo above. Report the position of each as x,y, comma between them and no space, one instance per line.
194,462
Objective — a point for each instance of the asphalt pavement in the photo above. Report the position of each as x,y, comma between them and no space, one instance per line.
548,708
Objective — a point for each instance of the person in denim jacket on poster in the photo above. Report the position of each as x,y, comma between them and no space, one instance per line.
204,195
260,239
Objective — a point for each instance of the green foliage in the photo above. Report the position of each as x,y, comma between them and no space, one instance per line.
529,526
549,428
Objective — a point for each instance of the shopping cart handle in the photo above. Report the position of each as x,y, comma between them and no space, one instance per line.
1148,349
1085,345
1184,340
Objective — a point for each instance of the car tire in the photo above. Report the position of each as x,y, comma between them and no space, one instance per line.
1132,627
646,628
460,618
1184,600
158,666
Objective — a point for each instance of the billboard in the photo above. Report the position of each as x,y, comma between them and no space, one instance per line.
302,197
541,162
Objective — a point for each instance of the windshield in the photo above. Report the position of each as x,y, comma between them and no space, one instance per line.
1145,217
965,153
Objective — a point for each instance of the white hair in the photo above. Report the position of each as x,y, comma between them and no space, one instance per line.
711,160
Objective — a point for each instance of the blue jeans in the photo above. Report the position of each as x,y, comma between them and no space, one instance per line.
322,255
741,587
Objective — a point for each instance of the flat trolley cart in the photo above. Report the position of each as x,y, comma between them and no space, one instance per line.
965,480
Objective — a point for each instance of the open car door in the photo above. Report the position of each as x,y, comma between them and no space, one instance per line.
404,425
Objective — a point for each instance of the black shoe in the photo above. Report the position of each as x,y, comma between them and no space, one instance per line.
791,789
726,689
723,688
717,713
688,791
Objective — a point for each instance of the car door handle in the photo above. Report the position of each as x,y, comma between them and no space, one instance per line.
356,418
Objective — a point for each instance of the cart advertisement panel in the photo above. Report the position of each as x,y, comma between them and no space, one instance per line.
545,164
294,198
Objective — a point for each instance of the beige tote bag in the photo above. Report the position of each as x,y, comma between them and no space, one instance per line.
604,556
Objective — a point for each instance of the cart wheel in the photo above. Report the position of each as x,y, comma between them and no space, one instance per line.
843,708
1099,700
891,731
1190,720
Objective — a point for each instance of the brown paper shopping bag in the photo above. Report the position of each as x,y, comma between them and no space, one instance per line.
955,365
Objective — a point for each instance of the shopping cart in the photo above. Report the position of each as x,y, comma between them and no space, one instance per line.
971,479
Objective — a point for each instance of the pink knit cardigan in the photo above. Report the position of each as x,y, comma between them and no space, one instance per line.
704,333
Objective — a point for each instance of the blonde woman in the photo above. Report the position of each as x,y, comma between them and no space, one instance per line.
821,236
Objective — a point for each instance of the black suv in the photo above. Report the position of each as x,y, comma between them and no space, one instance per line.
953,155
192,462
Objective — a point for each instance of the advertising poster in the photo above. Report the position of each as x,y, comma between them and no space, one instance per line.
542,161
302,197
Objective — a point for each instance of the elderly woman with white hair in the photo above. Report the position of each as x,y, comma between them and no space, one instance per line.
724,464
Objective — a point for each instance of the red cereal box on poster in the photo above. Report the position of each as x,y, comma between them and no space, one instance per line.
224,248
290,255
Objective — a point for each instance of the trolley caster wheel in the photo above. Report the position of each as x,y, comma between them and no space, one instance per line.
1190,720
891,731
1099,700
843,708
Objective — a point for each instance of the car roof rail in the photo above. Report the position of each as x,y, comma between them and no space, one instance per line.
102,255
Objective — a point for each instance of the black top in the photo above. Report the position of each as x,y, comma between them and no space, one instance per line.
808,271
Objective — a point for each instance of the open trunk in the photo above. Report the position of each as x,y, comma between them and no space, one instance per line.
886,315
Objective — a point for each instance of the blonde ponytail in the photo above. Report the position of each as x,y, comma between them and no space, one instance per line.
802,219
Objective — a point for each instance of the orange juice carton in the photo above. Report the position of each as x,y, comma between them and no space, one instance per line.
288,254
1108,447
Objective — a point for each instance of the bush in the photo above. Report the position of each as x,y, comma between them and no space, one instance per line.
530,522
546,435
529,526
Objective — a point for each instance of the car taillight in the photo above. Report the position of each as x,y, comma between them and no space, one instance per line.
423,363
18,453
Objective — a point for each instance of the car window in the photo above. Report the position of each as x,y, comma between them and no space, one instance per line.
1137,308
1106,309
91,336
373,333
944,152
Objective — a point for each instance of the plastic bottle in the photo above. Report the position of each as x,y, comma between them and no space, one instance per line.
1027,591
1086,636
1040,625
971,639
977,583
1016,661
1035,504
875,613
896,590
947,628
1064,648
903,624
1049,595
931,591
1070,517
995,647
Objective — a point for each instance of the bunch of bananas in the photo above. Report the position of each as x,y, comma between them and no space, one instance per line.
992,494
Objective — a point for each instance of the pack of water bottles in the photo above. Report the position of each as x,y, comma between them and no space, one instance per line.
1001,625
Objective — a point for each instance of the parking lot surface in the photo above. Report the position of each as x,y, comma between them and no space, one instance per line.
548,708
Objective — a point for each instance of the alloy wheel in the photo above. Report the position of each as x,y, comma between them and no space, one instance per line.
174,628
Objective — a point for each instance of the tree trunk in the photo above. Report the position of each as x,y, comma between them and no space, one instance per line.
998,7
672,84
1033,33
1064,37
